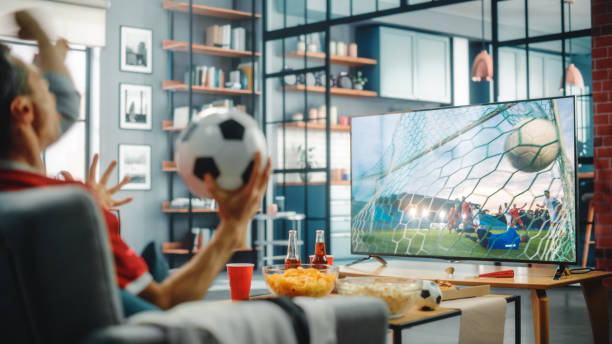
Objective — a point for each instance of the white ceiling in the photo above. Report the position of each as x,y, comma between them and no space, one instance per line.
465,19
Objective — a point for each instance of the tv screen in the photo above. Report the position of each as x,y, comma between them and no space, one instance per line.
479,182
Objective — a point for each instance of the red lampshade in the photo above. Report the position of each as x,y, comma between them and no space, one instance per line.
573,77
482,69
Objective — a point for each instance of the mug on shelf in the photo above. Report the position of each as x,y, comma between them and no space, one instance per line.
353,50
332,48
341,48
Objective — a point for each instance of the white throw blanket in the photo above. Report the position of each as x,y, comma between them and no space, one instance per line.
321,320
243,322
482,319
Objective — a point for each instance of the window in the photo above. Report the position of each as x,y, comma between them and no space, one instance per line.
528,50
70,152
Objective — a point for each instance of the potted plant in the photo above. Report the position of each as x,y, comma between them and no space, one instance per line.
359,81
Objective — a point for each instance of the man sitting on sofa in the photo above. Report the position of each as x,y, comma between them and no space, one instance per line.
35,104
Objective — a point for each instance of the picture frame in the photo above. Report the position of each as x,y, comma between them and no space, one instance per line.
135,161
136,50
135,106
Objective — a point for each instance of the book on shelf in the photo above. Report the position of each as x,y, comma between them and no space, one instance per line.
238,39
219,36
213,77
212,35
226,36
247,70
181,116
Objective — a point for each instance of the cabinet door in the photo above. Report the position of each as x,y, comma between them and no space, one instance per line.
432,68
396,63
536,75
553,66
512,74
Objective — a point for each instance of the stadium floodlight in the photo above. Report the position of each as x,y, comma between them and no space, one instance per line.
425,213
413,212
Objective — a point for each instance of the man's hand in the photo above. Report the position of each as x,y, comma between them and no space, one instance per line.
103,193
61,48
50,57
29,28
242,204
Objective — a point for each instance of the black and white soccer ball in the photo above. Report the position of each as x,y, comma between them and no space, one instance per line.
532,145
430,296
221,142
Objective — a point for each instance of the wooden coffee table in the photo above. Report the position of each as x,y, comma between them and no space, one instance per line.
417,317
536,279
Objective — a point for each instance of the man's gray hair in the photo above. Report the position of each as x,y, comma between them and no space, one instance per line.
13,82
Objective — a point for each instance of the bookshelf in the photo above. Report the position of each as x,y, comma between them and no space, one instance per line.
178,86
315,126
205,49
333,59
335,91
180,6
184,54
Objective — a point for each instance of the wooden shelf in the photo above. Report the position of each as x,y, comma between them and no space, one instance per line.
334,59
205,49
177,248
316,126
335,182
170,85
166,209
169,126
208,11
169,166
335,91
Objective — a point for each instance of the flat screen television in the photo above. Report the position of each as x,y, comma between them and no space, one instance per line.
480,182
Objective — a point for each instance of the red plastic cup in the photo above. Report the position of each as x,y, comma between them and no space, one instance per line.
240,275
330,259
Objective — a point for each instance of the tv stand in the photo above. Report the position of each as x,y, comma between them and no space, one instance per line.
377,258
562,270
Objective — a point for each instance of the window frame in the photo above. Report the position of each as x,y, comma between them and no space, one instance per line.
85,97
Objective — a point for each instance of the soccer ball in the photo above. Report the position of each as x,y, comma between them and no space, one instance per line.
430,296
532,145
221,142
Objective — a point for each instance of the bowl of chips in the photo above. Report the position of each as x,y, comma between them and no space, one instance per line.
399,294
303,280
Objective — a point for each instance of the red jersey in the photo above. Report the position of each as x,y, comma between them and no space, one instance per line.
465,209
451,214
515,212
130,269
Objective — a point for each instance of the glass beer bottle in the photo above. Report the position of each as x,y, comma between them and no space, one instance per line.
293,258
320,258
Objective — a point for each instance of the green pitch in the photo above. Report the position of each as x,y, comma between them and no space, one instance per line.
435,242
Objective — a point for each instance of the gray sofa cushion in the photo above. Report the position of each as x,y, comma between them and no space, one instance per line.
56,261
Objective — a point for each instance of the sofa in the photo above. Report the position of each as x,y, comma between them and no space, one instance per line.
58,285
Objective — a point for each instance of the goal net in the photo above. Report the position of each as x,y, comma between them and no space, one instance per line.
443,183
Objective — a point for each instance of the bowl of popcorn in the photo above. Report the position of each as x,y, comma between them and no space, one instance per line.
399,294
303,280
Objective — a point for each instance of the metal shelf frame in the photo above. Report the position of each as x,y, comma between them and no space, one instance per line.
189,11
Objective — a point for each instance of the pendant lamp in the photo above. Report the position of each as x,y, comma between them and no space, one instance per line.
573,76
482,68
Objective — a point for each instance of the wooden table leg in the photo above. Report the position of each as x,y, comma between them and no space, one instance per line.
596,297
539,307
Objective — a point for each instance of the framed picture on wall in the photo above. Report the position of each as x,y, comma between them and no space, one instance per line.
135,162
135,106
136,50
